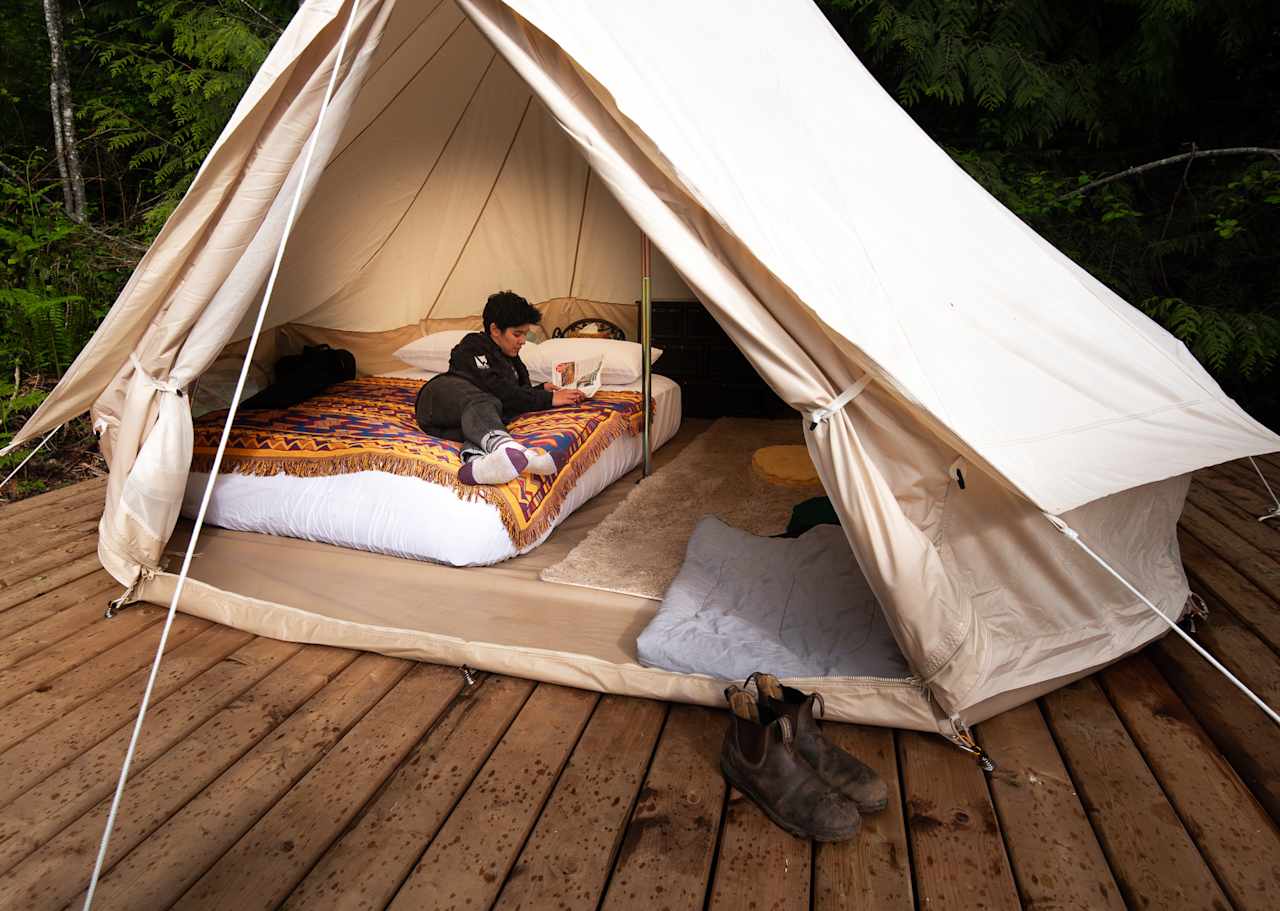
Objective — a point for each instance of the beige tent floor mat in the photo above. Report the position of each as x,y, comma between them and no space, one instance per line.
498,618
379,590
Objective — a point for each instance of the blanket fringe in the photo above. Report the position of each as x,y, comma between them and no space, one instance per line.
316,465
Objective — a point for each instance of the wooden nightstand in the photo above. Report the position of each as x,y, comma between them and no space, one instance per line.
716,379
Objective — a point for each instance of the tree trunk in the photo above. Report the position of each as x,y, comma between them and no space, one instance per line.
64,128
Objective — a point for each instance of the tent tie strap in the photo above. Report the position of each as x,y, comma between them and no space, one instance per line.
819,415
1074,536
955,472
158,385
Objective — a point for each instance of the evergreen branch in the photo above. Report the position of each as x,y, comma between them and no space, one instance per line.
1186,156
261,15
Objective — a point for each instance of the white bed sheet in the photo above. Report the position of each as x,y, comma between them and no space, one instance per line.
405,516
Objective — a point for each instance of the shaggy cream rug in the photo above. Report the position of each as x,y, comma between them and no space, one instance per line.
640,546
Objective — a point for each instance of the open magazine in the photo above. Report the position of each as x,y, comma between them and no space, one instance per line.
583,375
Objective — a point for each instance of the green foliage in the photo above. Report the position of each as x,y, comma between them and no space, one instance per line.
1027,71
177,71
1247,342
56,277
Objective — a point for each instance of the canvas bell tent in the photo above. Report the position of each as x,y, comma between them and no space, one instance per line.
921,331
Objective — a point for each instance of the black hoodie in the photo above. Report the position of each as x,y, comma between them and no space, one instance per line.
478,360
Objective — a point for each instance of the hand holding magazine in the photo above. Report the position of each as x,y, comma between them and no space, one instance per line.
582,375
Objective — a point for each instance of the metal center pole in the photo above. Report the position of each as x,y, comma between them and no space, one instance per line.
646,342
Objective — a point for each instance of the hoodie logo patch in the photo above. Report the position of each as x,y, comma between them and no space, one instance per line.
482,361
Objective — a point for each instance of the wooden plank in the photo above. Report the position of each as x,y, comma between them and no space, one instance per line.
1259,568
57,820
242,792
1154,860
11,512
1270,466
33,541
48,558
1232,831
1214,578
1241,652
956,848
874,869
54,578
42,754
86,681
1056,859
42,668
84,508
42,634
91,589
470,857
270,856
758,864
367,865
1245,735
566,862
1265,537
1239,485
667,850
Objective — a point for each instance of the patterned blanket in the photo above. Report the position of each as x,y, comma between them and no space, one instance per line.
368,425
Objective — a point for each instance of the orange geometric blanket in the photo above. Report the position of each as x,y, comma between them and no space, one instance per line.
368,424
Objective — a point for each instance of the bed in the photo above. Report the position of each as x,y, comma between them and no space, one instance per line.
427,515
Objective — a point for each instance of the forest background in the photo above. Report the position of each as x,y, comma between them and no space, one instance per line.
107,109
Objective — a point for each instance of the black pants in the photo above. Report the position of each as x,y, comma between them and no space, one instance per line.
452,408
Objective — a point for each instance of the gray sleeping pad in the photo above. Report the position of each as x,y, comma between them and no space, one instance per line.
794,607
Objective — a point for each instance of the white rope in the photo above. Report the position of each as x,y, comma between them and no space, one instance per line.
818,415
1275,513
217,461
1074,535
30,456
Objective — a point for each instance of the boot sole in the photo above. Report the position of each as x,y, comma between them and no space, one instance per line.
778,821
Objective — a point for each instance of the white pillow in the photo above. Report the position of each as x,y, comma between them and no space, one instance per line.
431,352
621,359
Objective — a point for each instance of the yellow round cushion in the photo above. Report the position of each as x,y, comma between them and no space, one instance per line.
789,466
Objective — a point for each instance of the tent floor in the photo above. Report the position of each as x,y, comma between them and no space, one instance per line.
273,774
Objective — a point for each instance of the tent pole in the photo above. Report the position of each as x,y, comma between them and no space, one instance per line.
646,342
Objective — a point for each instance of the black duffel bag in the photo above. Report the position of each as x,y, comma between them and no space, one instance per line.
298,377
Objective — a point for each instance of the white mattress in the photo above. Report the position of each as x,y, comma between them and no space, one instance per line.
405,516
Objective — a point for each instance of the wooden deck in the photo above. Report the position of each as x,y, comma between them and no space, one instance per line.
274,775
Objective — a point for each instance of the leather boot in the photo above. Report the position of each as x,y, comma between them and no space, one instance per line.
856,780
760,760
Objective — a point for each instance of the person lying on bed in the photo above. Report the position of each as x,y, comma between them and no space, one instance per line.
486,386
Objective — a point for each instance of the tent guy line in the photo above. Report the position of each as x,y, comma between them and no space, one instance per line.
217,460
29,457
1275,513
1074,536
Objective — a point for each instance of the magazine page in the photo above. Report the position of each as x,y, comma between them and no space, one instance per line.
581,375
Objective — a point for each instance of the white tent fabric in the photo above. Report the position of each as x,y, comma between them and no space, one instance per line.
527,143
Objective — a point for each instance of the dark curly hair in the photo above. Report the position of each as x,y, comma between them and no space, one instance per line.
506,309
